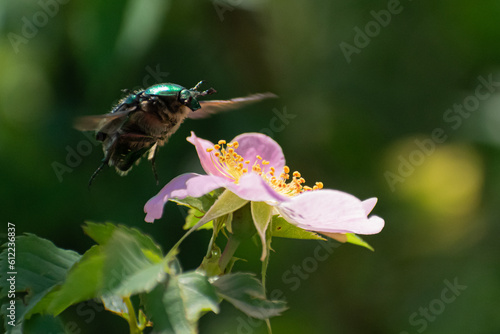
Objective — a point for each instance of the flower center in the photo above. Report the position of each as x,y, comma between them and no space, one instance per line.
232,165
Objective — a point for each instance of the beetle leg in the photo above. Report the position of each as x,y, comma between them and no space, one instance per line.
105,162
95,173
152,157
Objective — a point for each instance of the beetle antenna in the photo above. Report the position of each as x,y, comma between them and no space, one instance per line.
198,85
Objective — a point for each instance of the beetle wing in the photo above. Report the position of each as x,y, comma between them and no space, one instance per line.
96,122
211,107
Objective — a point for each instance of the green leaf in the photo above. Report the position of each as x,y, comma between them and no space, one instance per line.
194,217
40,266
283,229
356,240
227,203
108,267
198,294
165,307
349,238
157,311
176,306
101,233
130,267
46,324
246,293
224,205
261,214
83,282
116,305
202,204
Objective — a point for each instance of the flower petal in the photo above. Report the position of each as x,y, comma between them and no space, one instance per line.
369,204
190,184
331,211
253,144
201,146
252,187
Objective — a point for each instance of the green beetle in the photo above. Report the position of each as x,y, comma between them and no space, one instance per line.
144,120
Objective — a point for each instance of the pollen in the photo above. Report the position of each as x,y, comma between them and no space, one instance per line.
230,164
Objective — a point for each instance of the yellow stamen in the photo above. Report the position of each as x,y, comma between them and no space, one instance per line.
232,165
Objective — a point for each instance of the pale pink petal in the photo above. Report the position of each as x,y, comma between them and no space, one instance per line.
253,188
201,146
253,144
191,184
330,211
369,204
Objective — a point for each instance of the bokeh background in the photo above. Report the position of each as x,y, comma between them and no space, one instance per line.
357,106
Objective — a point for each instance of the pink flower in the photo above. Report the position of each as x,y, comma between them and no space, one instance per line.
252,166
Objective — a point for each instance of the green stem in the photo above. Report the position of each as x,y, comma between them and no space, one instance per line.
265,265
132,320
268,323
217,225
173,250
227,254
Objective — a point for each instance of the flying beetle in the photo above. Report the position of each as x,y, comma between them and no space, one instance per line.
144,120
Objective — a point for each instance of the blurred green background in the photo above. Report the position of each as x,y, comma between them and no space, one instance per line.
360,96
